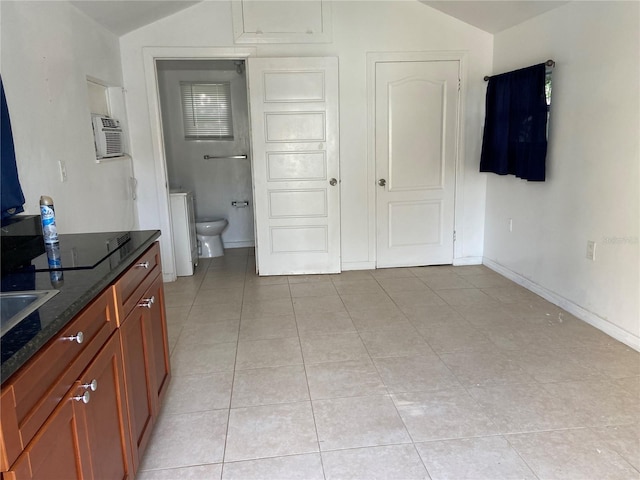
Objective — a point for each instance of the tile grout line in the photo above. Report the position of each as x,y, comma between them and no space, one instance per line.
389,393
304,366
233,375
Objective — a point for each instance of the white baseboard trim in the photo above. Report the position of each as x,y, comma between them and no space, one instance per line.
238,244
458,262
358,266
168,277
574,309
346,266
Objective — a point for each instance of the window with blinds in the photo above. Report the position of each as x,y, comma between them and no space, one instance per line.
206,110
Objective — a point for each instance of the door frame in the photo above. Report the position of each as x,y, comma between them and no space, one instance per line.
374,58
150,56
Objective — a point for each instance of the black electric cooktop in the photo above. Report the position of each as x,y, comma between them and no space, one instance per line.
72,252
88,264
77,252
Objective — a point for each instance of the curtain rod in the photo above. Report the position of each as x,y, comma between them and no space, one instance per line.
548,63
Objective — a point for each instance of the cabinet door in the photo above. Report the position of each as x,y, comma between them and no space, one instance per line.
162,370
106,416
146,363
59,449
136,337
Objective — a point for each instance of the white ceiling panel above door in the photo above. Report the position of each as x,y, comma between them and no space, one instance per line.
256,21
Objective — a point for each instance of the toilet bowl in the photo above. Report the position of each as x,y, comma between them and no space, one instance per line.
208,232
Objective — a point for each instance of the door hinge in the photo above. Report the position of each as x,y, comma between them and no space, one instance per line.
459,84
454,235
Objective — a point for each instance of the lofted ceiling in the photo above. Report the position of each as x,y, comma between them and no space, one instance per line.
123,16
493,16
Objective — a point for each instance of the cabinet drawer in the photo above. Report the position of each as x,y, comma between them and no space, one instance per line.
132,284
38,388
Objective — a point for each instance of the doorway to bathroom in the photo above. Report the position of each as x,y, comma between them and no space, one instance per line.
299,120
206,139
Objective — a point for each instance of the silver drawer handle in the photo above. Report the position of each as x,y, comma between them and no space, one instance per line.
142,265
147,302
93,386
84,398
79,337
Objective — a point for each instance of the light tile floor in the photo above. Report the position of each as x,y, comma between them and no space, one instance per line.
411,373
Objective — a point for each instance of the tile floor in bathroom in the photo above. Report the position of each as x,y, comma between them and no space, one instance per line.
411,373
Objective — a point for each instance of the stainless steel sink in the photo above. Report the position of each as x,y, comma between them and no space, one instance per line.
16,306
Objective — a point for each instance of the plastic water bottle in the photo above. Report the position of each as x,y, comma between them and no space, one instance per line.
48,217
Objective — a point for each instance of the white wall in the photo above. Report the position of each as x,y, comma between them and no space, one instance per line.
358,27
591,192
217,182
48,49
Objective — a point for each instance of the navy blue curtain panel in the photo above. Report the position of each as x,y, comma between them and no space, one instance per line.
515,128
11,195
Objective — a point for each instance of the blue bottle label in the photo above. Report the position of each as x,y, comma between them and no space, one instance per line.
49,230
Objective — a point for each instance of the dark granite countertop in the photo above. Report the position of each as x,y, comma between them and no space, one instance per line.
77,289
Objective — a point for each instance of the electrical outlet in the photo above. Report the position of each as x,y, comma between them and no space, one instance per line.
63,171
511,224
591,250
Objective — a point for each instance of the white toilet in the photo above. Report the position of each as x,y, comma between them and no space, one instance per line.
208,231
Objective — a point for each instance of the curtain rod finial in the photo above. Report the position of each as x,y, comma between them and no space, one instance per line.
486,78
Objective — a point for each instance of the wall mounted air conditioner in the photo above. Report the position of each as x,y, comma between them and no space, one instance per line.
108,137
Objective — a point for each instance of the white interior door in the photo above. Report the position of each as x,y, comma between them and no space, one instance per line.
295,148
416,123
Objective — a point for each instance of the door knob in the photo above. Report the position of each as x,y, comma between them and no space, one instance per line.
93,386
84,398
78,337
382,182
333,182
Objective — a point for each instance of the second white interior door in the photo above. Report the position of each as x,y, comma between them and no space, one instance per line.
416,137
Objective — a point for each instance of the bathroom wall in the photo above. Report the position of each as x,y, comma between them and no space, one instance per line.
215,183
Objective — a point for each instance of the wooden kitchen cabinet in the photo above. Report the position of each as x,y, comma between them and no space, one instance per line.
136,336
47,378
105,415
159,339
146,362
59,447
48,431
132,284
85,440
30,399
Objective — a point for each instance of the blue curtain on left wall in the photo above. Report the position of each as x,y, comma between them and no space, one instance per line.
515,129
11,195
